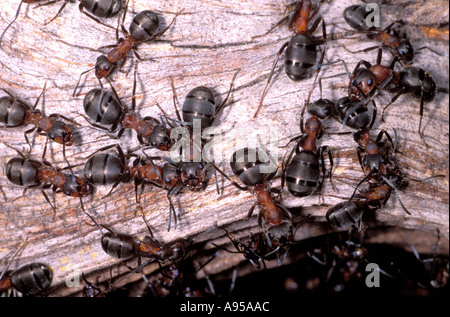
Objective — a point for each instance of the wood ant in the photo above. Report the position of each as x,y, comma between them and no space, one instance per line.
15,113
391,38
31,173
30,280
99,8
301,50
301,171
142,30
102,169
261,246
366,83
248,165
126,246
107,109
355,113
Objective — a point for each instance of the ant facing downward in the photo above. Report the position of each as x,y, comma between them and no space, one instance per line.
253,167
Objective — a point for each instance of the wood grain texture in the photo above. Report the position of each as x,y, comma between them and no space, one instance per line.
207,44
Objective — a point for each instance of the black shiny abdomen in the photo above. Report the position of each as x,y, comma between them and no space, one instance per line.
300,56
199,104
303,174
12,112
32,278
23,172
144,26
101,106
103,169
102,8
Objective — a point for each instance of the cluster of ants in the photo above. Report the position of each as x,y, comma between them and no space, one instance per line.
303,168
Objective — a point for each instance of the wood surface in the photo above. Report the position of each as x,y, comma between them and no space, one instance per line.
207,44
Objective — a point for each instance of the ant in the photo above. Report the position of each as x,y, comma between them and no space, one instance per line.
16,113
261,246
105,169
30,279
105,108
142,30
301,171
99,8
394,39
31,173
126,246
366,83
355,113
301,50
248,164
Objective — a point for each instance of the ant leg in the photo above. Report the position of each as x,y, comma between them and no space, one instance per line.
48,200
391,102
81,7
250,212
225,100
173,191
59,11
430,49
175,101
229,179
421,116
79,80
15,18
283,47
26,137
365,50
279,23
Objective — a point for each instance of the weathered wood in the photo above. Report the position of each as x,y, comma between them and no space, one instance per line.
207,44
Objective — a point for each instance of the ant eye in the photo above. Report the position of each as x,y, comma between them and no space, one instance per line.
370,82
153,143
200,166
167,180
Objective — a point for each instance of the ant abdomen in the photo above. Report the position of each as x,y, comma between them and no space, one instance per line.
144,26
101,106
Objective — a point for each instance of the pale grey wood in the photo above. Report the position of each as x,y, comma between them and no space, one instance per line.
207,44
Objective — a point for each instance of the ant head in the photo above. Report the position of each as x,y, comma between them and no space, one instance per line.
322,108
77,187
178,249
61,133
103,67
282,234
160,138
362,84
313,127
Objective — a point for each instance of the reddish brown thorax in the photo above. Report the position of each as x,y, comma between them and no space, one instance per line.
313,128
380,192
271,212
381,73
301,19
119,52
143,128
387,39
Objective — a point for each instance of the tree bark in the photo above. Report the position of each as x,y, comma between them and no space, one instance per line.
206,45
